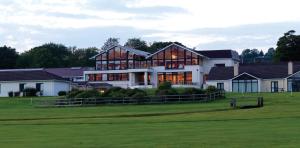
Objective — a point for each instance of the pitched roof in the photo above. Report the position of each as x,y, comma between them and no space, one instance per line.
27,75
174,44
68,72
226,53
132,50
267,71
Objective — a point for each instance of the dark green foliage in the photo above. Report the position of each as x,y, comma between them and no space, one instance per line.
137,43
17,94
88,94
288,47
159,45
81,57
136,93
29,92
74,93
211,89
10,94
165,88
112,91
47,55
162,92
188,91
121,92
62,93
249,55
8,57
165,85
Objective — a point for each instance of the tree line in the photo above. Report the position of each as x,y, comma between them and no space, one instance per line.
51,55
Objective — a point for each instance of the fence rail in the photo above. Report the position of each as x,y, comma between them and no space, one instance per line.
166,99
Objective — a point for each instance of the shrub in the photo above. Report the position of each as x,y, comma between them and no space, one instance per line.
17,94
188,91
114,92
88,94
29,92
10,94
211,89
165,85
163,92
136,93
72,94
62,93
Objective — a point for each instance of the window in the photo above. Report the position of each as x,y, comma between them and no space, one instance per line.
38,86
21,87
274,86
175,77
220,86
244,86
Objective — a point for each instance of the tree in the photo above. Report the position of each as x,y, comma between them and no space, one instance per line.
288,47
110,42
47,56
81,57
249,55
270,53
8,57
159,45
137,43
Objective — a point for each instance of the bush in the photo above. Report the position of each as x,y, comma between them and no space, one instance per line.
72,94
136,93
88,94
211,89
114,92
29,92
62,93
17,94
188,91
10,94
163,92
165,85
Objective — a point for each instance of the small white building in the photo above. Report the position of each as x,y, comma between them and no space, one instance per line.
16,80
277,77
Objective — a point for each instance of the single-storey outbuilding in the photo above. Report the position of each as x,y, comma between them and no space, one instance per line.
16,80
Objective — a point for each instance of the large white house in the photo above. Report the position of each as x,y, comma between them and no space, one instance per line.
183,67
17,80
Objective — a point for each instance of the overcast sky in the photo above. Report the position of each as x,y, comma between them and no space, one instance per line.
205,24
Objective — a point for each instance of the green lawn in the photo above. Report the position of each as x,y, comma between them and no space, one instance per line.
179,125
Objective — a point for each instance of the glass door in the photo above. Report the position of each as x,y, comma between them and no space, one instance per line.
274,86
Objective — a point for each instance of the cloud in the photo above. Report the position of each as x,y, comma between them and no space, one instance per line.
204,24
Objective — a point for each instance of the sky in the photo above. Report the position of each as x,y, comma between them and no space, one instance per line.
204,24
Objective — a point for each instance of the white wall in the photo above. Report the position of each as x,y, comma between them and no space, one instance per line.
227,84
50,88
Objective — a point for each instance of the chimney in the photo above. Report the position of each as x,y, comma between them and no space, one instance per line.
290,68
236,69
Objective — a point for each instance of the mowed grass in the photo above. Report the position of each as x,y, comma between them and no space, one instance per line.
213,124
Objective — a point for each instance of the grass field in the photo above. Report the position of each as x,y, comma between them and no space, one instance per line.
179,125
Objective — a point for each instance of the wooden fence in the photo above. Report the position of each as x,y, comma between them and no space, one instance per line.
166,99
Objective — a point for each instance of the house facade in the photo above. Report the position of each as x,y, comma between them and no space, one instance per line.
45,83
131,68
278,77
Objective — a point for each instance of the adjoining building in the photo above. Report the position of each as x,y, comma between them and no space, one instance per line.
73,74
131,68
16,80
256,77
